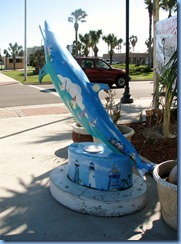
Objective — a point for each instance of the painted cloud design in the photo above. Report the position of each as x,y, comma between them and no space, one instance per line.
73,89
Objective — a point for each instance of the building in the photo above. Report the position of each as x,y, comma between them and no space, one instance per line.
8,63
134,58
31,50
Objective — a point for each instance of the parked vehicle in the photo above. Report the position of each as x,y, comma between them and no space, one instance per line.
99,71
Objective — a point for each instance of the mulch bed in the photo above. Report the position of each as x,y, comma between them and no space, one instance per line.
149,142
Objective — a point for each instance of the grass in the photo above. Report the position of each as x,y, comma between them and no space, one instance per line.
31,78
136,73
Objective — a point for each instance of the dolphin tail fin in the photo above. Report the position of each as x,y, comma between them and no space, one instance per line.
145,169
42,73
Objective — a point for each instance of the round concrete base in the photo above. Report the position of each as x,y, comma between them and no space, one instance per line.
95,202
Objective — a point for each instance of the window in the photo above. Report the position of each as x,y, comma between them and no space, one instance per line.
18,60
102,65
87,64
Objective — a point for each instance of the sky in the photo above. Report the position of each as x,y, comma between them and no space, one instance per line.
109,16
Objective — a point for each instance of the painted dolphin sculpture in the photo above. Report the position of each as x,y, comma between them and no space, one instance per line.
81,98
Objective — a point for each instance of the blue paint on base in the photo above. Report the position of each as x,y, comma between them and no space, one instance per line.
102,170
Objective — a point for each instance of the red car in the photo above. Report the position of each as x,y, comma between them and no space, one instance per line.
97,70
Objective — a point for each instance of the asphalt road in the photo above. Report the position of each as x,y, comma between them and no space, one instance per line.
22,95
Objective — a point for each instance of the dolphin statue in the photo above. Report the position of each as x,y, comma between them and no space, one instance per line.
82,99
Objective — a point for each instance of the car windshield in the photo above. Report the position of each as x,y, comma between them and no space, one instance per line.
101,64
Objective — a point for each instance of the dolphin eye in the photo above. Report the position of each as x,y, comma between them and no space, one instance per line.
96,87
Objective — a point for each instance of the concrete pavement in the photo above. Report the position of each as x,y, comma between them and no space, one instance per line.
31,146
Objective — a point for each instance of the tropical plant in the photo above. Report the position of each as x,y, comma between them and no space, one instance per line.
168,87
112,43
147,43
37,59
77,16
6,55
77,48
111,107
150,12
94,37
168,5
14,51
86,43
133,40
119,47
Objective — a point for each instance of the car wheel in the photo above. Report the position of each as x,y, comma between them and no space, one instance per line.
120,82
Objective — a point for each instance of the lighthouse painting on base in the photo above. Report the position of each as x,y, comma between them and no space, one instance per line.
100,169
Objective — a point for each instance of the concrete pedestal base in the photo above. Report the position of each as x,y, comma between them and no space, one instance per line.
95,202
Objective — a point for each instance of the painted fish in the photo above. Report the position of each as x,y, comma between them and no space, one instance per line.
81,98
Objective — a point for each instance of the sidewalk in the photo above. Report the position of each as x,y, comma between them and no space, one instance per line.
6,80
31,146
33,110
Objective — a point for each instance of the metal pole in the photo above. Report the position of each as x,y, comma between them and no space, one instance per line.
25,48
126,95
155,77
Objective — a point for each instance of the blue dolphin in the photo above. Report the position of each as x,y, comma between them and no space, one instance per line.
82,99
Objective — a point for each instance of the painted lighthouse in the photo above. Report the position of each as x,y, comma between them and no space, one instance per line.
76,174
92,182
114,183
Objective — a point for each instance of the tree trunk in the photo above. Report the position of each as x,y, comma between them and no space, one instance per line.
14,62
76,26
95,51
110,55
14,65
166,118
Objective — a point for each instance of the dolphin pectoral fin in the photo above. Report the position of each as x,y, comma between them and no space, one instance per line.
42,73
97,87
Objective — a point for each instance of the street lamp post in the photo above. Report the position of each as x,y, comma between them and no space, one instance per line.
126,95
25,48
155,77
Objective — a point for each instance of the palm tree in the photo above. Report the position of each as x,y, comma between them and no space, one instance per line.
147,43
120,41
112,43
133,40
7,55
76,48
168,85
95,36
119,46
87,42
14,51
78,15
150,12
106,39
168,5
